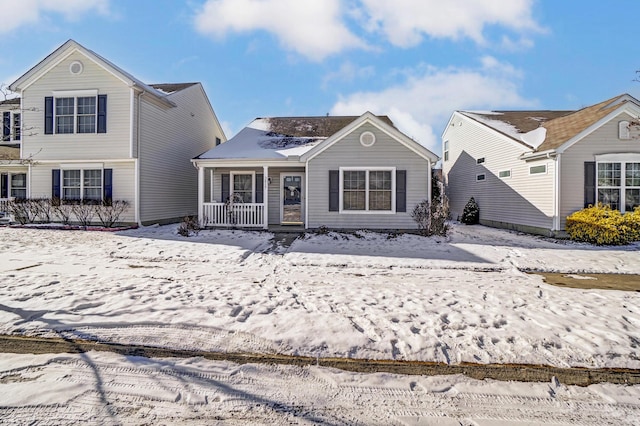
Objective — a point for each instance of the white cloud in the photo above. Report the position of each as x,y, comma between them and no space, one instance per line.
406,22
348,72
312,28
24,12
423,102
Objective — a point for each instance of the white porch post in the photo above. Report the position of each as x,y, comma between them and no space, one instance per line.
201,218
265,196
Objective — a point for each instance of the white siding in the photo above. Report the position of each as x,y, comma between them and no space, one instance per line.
169,138
123,183
348,152
521,199
603,141
115,144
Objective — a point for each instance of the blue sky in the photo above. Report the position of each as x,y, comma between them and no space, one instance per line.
414,60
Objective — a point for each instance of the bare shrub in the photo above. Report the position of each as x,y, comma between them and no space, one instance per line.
61,210
84,212
44,209
109,212
23,210
189,226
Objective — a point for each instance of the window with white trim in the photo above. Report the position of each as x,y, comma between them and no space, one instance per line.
18,182
503,174
82,185
618,185
13,185
481,177
10,126
242,187
480,160
446,150
538,170
367,190
75,114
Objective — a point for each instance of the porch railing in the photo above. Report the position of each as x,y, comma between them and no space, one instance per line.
241,215
4,210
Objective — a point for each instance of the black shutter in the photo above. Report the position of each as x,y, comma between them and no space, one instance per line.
589,183
107,186
334,190
48,115
102,113
55,183
259,188
401,190
225,187
4,186
6,126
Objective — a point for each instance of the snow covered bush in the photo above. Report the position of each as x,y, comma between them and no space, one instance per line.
471,213
189,226
601,225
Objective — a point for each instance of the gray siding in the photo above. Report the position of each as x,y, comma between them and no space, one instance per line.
115,144
169,138
603,141
521,199
348,152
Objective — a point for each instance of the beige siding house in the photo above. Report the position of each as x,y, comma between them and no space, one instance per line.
310,172
529,170
91,131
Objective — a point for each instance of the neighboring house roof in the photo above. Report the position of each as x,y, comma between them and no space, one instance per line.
9,153
10,102
548,130
170,88
281,137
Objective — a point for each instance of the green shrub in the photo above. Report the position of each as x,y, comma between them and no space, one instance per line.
471,213
602,226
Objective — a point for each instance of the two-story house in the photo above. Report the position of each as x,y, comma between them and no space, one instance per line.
92,131
529,170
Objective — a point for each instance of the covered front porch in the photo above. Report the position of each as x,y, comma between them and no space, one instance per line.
249,196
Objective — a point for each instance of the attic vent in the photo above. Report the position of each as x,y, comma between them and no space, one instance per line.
367,139
76,67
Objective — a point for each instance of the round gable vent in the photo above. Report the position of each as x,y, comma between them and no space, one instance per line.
76,67
367,139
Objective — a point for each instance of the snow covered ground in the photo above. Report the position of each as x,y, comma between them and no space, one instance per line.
362,296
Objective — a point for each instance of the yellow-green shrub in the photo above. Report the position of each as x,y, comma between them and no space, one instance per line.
602,226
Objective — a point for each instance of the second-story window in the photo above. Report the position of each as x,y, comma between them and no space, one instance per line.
65,110
75,113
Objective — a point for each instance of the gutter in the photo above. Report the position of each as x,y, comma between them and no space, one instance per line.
551,153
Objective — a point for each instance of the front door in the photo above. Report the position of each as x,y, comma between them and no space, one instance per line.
291,191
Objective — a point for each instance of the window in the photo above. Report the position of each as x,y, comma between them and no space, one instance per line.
624,130
82,185
243,187
19,185
446,150
10,126
618,185
80,111
16,127
218,141
504,174
368,190
86,115
480,160
64,115
538,170
481,177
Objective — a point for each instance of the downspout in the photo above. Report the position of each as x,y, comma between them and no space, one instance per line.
556,193
137,171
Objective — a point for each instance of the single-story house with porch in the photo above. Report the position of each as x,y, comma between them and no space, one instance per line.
334,171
